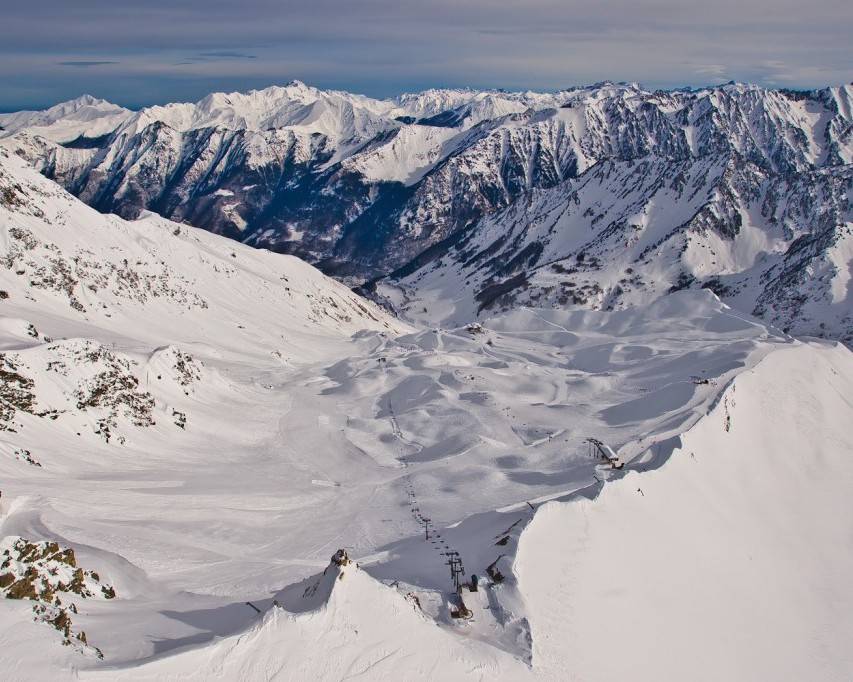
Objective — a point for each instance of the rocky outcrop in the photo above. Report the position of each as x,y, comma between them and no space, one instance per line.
47,574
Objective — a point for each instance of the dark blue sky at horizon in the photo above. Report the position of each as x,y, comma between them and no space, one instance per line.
137,54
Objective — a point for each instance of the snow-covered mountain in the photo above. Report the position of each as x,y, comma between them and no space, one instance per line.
597,197
290,168
190,428
156,280
778,246
84,116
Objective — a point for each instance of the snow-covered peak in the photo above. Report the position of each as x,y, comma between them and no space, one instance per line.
83,103
84,107
84,116
433,101
841,99
465,107
338,115
297,85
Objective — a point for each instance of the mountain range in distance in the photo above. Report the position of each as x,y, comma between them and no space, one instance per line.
595,197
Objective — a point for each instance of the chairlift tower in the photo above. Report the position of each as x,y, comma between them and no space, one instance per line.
456,568
597,449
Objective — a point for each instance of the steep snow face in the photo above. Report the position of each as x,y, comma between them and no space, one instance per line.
404,155
368,630
721,564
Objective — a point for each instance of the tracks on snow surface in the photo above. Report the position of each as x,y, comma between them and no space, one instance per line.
430,533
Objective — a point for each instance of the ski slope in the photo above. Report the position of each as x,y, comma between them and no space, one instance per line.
206,424
732,561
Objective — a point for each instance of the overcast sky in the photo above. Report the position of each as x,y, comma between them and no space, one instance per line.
139,53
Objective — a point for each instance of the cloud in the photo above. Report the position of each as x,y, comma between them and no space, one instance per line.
85,64
224,54
710,69
171,50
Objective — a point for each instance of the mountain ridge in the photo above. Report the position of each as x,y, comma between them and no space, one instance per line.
362,187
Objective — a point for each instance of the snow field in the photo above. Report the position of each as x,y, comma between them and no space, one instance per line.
312,422
729,562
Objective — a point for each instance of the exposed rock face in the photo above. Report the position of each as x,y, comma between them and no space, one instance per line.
45,573
778,246
82,377
737,188
340,558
